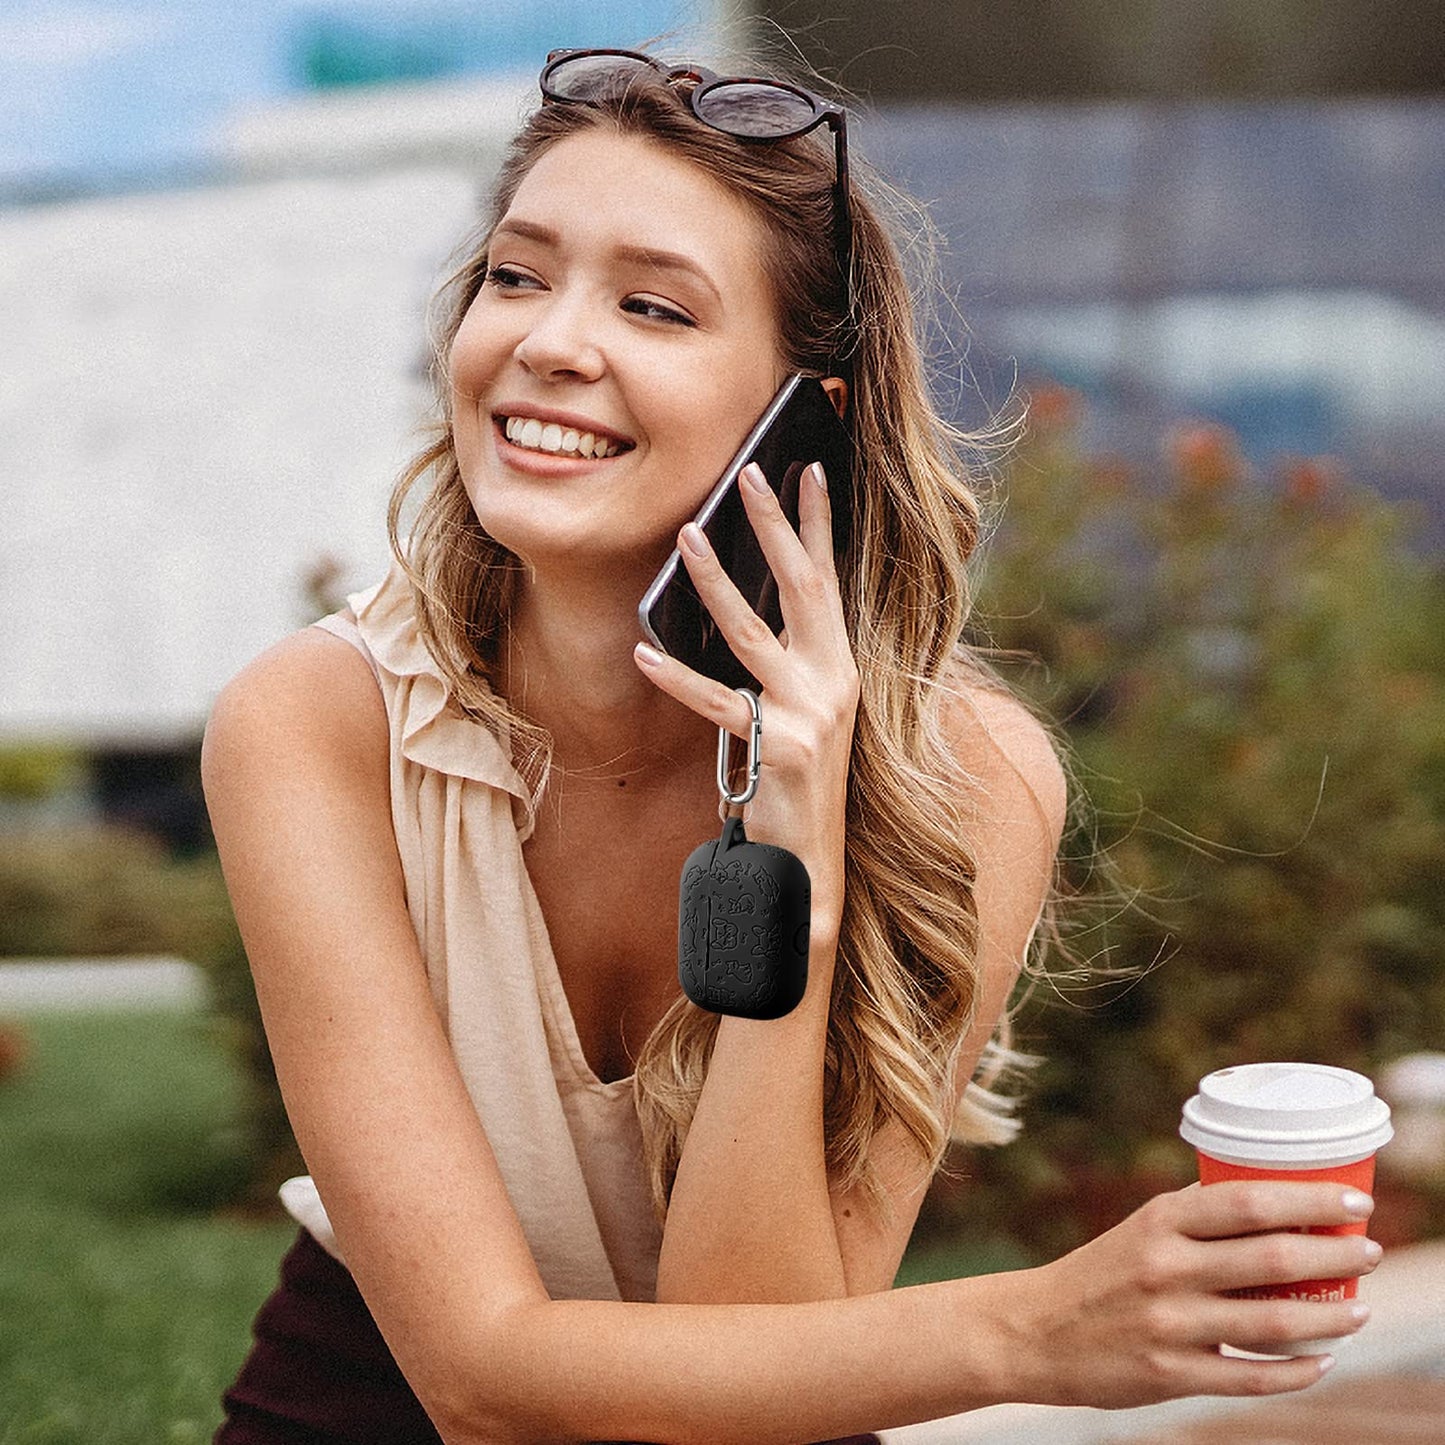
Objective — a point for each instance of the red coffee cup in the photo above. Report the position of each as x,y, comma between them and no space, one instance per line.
1290,1121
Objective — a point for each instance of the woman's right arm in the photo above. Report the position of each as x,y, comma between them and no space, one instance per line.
296,771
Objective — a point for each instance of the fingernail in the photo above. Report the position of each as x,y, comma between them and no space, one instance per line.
694,541
1325,1363
1359,1313
753,476
819,475
1353,1202
1374,1250
647,656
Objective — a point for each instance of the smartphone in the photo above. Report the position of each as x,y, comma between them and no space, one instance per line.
799,427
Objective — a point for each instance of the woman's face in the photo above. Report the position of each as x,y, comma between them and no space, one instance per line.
622,347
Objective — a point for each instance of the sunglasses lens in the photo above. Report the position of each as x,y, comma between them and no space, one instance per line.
752,108
587,78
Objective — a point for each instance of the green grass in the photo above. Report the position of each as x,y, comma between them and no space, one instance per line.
125,1307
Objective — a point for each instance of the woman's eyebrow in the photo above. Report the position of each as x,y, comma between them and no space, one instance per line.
658,260
649,256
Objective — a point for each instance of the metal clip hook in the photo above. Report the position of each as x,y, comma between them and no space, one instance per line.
755,754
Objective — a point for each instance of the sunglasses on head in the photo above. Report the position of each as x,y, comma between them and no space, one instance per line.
746,108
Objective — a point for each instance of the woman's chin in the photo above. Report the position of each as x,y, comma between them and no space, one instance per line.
615,561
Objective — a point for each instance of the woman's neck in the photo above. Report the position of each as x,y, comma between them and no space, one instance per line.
566,663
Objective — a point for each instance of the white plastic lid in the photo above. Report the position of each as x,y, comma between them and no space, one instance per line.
1286,1116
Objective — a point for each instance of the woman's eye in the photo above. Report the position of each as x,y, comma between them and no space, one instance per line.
646,307
508,278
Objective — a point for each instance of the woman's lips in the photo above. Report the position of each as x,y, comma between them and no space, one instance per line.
545,463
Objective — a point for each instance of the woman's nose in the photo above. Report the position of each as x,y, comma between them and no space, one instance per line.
561,341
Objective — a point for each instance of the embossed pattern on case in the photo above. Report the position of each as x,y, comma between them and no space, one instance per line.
743,913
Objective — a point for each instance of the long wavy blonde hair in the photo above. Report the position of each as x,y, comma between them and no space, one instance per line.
906,984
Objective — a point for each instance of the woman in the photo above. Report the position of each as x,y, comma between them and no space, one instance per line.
453,818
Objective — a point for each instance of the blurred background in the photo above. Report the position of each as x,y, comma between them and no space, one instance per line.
1197,245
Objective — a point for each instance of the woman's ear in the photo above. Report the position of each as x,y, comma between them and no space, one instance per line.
837,390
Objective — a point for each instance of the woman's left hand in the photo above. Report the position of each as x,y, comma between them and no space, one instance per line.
809,680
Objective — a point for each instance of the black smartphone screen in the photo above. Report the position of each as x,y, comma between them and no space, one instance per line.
800,426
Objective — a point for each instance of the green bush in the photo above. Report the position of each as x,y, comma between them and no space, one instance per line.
1250,672
96,891
28,774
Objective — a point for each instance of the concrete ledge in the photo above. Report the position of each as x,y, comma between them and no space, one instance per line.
44,985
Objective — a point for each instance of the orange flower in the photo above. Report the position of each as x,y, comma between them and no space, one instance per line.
1308,480
14,1050
1052,407
1205,456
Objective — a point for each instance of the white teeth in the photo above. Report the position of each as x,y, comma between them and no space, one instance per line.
551,437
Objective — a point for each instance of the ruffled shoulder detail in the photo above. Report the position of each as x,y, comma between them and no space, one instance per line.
433,730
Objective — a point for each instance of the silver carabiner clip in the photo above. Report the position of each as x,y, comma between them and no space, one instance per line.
755,754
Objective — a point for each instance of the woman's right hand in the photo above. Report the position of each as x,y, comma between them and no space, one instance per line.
1137,1315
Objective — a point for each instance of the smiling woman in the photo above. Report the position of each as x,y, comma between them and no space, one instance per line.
550,1198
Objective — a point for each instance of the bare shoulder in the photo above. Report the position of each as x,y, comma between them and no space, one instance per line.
310,693
1017,793
1009,760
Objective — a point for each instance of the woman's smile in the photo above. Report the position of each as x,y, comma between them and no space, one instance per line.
550,437
553,434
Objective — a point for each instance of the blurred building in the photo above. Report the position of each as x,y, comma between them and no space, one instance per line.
1276,267
206,391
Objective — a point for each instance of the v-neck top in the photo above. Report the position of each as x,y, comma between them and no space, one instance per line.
568,1145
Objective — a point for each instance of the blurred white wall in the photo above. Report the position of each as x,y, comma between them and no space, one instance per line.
204,390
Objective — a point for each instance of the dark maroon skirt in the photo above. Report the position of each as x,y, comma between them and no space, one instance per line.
320,1373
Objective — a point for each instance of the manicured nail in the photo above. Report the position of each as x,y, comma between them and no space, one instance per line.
647,656
820,477
694,541
1325,1364
1359,1313
1374,1250
1353,1202
753,476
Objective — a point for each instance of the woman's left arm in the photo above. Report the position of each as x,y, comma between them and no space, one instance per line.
751,1217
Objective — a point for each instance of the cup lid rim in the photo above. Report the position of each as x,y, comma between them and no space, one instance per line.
1243,1117
1196,1130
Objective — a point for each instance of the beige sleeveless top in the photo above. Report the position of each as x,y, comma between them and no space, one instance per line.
569,1145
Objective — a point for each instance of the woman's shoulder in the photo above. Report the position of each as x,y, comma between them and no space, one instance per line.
1015,797
1007,756
312,691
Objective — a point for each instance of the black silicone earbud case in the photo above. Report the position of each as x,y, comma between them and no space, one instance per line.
743,914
